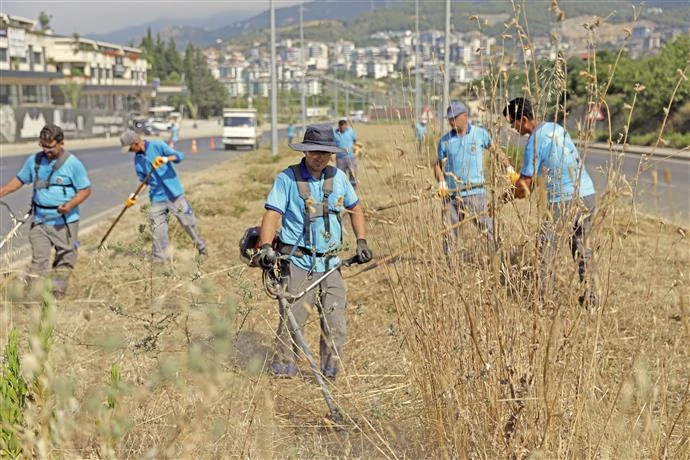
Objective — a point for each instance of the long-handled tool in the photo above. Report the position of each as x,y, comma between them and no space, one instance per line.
285,305
141,186
16,221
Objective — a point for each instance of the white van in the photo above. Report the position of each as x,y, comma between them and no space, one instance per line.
239,128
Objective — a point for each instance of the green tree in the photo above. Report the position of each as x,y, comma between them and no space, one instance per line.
72,89
207,93
44,20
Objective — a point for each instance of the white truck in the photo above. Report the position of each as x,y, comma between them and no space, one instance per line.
239,128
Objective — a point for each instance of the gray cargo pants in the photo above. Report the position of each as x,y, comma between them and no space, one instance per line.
473,207
160,213
349,166
571,220
331,306
65,240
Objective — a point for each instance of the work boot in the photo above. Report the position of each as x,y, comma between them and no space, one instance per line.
59,286
590,301
283,370
329,373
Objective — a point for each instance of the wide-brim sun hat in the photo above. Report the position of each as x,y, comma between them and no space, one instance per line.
318,138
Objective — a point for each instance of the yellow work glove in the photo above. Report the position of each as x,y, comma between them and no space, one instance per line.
130,201
513,176
442,190
159,161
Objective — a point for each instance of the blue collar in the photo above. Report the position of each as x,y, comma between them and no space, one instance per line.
306,175
454,133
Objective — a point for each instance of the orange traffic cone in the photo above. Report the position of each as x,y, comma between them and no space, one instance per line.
194,149
212,143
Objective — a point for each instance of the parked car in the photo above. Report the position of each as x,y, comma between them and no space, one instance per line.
159,125
141,126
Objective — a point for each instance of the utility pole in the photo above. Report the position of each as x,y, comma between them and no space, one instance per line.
347,103
304,69
274,84
446,64
335,88
417,63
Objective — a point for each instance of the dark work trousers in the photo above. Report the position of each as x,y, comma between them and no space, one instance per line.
330,304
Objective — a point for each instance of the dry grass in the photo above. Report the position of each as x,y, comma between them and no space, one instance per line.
442,360
446,357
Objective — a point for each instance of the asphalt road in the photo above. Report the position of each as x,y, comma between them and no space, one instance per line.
113,179
661,186
113,175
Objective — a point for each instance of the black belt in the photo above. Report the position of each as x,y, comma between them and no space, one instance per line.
299,251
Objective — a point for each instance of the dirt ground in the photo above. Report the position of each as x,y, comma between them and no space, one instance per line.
445,357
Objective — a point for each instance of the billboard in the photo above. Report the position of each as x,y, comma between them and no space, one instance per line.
16,39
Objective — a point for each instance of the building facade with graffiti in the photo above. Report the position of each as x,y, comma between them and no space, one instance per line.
89,88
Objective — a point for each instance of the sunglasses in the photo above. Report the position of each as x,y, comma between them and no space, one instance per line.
53,149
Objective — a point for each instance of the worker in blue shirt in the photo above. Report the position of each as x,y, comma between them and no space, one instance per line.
165,191
174,134
305,203
420,133
60,185
460,171
570,195
291,131
345,160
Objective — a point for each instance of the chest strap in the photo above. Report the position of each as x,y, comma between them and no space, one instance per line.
43,184
311,208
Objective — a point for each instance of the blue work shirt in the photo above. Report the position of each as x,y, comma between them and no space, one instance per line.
291,130
163,183
72,172
420,131
551,152
464,155
285,199
345,141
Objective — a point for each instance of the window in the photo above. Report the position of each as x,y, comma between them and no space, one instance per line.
3,54
35,94
5,94
29,94
37,57
239,121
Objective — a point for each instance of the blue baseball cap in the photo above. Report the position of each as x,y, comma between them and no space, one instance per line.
456,108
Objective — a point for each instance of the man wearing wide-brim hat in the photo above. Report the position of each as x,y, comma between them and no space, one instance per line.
310,197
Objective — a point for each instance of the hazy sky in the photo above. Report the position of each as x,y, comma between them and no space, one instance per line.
100,16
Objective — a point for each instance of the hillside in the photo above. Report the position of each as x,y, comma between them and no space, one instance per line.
360,18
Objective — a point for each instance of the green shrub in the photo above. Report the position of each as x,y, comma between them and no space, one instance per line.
13,390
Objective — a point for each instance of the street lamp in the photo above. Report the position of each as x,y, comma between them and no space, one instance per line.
274,84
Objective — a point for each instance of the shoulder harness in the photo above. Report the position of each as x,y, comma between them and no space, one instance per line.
43,184
313,210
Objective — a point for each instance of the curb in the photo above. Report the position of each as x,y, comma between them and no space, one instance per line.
27,148
677,154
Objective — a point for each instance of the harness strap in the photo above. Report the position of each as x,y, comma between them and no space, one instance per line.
42,184
305,193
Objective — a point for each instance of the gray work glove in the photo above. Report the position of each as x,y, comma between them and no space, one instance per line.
364,254
267,256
